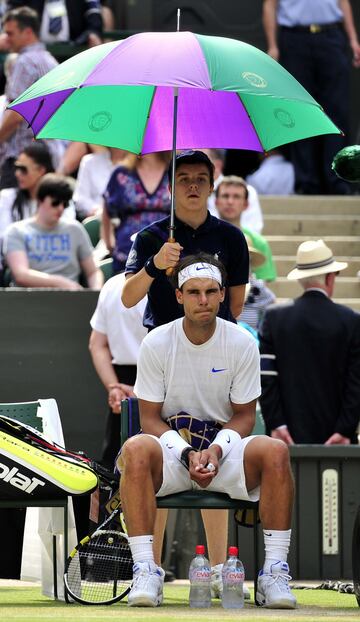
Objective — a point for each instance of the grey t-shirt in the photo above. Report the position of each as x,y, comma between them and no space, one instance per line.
54,251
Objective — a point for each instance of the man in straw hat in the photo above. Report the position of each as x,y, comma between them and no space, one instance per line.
310,358
206,369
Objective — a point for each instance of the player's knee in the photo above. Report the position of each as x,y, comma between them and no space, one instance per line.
277,455
135,454
268,452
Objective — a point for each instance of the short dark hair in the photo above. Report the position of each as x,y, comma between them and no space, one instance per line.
198,258
25,18
193,157
55,186
39,152
233,180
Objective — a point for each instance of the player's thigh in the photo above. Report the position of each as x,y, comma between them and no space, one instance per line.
175,477
231,477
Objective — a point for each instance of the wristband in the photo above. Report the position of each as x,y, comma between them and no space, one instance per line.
172,440
226,440
151,269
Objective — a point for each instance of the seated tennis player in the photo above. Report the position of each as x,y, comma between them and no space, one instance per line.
202,373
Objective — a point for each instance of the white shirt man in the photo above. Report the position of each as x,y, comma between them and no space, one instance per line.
114,345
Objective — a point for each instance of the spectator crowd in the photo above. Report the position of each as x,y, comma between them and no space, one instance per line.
126,193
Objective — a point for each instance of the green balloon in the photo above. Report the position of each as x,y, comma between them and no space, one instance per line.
346,163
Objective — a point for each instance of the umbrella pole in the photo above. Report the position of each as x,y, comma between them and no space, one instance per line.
172,205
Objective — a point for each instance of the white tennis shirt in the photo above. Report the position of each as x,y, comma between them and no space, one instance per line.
198,379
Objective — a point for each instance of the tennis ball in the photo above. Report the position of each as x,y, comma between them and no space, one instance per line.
346,163
110,540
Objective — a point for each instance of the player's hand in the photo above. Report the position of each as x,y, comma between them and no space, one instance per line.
117,393
203,467
337,439
282,434
168,255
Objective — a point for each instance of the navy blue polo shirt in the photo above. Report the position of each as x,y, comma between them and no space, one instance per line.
214,236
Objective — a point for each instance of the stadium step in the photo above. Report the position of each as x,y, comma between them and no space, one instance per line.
313,205
305,224
340,245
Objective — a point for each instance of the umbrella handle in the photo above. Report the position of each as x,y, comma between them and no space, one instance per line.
169,271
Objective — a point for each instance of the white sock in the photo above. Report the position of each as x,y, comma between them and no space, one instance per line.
276,547
142,548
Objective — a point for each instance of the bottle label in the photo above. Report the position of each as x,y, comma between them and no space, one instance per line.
200,574
233,576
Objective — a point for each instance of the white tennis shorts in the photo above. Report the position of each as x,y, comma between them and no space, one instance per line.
230,478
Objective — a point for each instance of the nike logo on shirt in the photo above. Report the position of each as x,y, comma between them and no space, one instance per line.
214,371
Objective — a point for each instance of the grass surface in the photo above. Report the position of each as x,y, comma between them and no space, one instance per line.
27,604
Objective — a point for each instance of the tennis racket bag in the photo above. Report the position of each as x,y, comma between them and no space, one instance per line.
30,465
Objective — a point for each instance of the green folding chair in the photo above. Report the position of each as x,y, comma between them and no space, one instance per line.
106,267
26,412
92,226
130,425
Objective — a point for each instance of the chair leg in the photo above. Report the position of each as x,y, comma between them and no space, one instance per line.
66,538
256,555
66,535
55,568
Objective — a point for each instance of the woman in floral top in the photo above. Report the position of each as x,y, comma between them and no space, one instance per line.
137,194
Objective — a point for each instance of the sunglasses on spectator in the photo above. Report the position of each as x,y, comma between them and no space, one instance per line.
21,169
57,202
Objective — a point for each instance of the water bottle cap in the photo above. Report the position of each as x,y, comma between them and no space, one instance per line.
233,550
200,549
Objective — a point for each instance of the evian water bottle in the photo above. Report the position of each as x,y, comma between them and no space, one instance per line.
233,581
200,577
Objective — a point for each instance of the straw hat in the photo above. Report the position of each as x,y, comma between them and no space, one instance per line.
256,257
314,257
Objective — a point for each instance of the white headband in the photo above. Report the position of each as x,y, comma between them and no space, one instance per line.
199,270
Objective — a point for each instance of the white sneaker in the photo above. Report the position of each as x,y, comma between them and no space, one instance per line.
216,585
273,589
147,585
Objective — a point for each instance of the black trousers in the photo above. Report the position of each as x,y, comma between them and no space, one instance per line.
111,445
12,523
321,63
